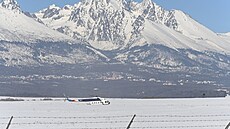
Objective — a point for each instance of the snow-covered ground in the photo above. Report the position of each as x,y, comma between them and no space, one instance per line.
192,113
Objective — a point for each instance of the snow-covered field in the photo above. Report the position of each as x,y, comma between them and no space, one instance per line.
192,113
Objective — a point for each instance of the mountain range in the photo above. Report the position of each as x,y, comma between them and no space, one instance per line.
120,24
134,47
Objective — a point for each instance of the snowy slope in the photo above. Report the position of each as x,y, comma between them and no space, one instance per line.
225,36
15,26
191,28
228,34
159,34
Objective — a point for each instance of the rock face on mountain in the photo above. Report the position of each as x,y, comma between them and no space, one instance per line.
120,43
10,4
106,24
118,24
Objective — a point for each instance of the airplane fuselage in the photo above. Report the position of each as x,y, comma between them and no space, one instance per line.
90,101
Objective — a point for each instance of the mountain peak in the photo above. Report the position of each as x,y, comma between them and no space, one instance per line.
67,7
92,1
95,3
50,11
53,6
10,4
146,2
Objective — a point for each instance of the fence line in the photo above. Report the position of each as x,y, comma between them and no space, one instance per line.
26,117
98,122
176,127
184,115
59,123
99,128
179,121
94,117
104,120
4,117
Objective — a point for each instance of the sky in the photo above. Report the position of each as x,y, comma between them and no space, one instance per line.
214,14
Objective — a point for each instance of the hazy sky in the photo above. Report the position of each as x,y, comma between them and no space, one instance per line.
215,14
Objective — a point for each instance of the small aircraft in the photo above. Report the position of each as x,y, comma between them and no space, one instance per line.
90,101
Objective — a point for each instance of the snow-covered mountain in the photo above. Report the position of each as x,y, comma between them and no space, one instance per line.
141,33
11,5
122,31
118,24
15,26
23,41
105,24
115,42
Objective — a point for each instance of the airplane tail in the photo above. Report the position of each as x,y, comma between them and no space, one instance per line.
66,98
69,100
